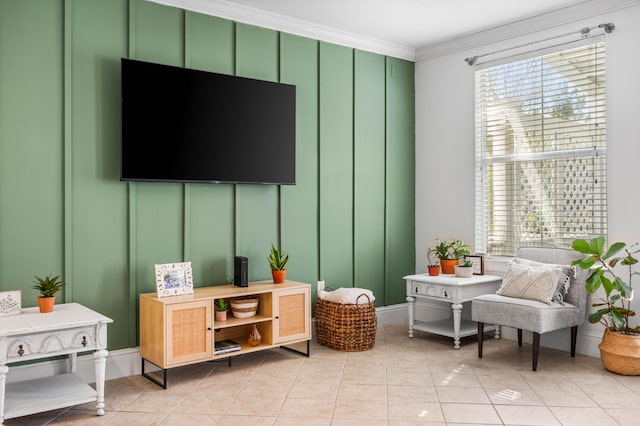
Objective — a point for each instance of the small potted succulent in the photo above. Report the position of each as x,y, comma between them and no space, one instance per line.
221,307
48,287
464,269
278,263
449,251
620,346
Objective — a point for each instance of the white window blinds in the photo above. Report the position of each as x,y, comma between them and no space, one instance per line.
541,151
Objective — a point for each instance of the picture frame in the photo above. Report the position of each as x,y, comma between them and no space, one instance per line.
10,303
478,263
173,279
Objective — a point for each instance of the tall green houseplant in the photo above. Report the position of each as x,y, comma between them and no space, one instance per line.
614,310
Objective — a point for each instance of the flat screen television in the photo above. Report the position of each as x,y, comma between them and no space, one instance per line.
186,125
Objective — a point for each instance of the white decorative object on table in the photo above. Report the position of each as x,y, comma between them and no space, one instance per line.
10,303
173,279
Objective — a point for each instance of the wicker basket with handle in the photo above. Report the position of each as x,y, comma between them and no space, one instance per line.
346,327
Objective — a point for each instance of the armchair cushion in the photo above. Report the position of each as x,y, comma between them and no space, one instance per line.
524,314
530,282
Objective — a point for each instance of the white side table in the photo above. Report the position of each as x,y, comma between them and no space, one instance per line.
451,289
69,329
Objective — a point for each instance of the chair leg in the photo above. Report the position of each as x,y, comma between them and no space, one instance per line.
574,335
520,337
480,338
536,349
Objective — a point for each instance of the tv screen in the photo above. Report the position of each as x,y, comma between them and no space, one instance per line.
185,125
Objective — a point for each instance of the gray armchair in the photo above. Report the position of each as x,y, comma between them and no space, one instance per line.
535,316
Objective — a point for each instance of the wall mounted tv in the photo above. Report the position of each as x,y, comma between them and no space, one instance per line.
185,125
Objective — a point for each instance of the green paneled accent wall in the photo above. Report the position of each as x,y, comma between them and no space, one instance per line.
336,165
369,172
97,250
400,177
31,144
349,219
299,212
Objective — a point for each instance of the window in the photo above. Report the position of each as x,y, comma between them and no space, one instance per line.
541,151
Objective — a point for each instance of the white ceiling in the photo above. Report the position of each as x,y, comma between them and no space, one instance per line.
398,27
408,23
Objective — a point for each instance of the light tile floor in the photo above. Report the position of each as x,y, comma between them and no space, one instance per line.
402,381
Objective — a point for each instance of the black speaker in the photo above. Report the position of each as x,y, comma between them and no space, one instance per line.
241,271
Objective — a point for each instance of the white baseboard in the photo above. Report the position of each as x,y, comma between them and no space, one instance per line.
127,362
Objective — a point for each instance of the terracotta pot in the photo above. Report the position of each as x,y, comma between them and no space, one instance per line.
279,276
448,265
620,353
46,304
221,315
434,270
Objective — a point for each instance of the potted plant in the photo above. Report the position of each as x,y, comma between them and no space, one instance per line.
620,346
464,269
48,287
433,267
221,308
278,263
449,251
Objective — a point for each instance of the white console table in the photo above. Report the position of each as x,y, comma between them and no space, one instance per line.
69,329
450,289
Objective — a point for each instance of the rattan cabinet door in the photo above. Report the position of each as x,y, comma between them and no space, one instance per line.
188,332
292,315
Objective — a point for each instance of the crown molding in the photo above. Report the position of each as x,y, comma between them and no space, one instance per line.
523,27
260,18
471,40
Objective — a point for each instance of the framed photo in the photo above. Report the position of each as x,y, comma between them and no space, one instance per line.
173,279
478,263
10,303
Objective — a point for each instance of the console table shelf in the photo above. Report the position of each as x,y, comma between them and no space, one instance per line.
24,398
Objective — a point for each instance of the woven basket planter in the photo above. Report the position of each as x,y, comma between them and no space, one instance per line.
346,327
244,307
620,353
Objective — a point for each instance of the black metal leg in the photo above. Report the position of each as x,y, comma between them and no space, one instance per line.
480,338
574,336
162,384
520,337
308,353
536,349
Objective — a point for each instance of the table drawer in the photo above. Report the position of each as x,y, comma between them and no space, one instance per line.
443,292
52,342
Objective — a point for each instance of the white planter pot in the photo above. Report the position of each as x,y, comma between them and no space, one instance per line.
464,271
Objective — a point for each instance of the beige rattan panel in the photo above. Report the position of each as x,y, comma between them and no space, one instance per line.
187,331
292,318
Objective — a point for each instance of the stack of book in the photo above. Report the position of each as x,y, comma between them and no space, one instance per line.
226,346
